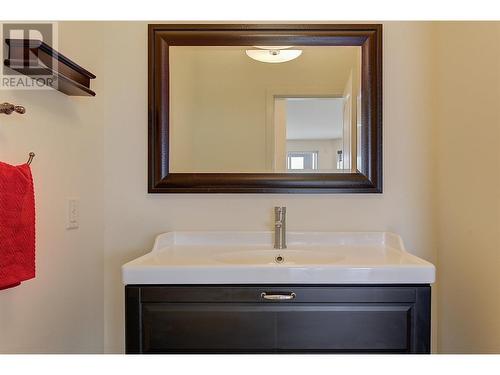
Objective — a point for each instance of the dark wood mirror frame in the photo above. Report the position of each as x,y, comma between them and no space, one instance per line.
368,36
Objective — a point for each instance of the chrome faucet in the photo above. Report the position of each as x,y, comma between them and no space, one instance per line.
280,227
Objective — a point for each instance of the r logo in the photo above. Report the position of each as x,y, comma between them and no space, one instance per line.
34,31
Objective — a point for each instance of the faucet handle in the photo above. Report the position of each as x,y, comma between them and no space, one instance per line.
279,227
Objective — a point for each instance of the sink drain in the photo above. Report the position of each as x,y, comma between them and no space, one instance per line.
279,259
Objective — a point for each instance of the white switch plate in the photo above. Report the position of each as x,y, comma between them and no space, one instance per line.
73,214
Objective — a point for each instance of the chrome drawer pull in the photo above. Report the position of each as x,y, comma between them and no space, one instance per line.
278,297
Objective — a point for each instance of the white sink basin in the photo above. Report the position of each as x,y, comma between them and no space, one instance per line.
273,257
249,258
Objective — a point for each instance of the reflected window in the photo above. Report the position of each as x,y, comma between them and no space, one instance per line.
302,160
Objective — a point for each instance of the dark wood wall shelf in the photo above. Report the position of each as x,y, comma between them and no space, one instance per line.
40,61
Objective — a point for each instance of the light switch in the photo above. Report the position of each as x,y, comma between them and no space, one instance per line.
73,214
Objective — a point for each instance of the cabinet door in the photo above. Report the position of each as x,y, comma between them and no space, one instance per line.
205,327
237,319
349,328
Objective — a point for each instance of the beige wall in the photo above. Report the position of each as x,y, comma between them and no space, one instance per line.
468,180
133,217
61,311
96,149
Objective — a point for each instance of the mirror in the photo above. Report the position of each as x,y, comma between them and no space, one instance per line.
265,108
231,113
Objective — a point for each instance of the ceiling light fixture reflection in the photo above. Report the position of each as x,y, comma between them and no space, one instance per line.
273,56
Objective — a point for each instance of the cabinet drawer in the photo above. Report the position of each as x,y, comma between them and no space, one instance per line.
331,294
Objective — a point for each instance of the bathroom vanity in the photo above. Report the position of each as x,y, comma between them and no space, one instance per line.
273,109
231,292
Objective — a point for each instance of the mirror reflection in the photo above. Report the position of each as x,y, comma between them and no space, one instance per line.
257,109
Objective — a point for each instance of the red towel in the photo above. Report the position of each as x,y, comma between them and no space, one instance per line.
17,225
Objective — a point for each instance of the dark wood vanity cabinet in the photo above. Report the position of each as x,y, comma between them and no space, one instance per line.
305,319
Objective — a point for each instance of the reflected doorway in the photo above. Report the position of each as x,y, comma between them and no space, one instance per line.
312,134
